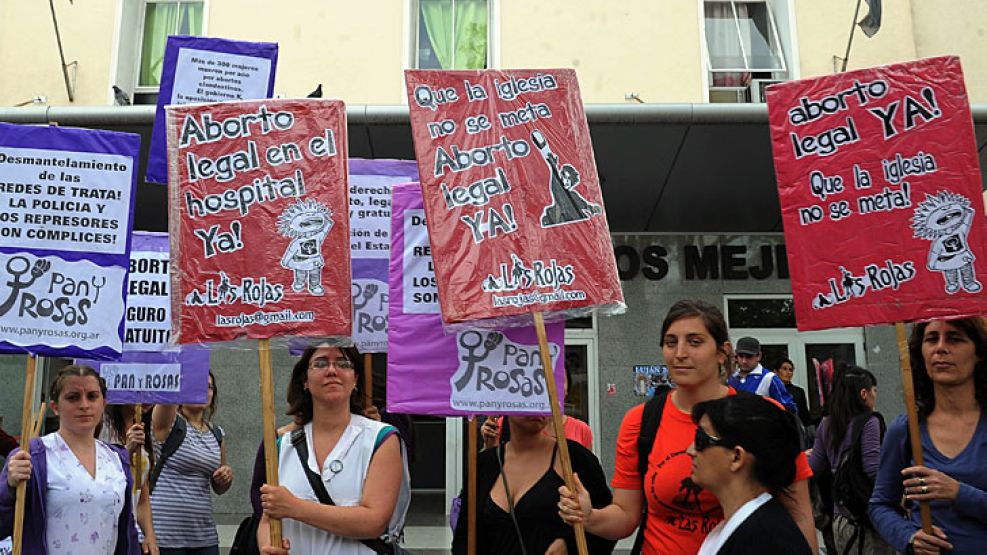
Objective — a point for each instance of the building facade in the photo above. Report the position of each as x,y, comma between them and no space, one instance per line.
634,52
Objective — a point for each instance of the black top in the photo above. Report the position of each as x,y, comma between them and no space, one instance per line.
767,531
537,511
801,403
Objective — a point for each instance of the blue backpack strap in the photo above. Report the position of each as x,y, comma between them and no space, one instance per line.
650,421
171,444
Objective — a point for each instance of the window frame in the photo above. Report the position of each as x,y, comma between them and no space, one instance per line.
414,24
777,47
138,52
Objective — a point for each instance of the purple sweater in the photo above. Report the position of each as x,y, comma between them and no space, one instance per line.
824,459
35,515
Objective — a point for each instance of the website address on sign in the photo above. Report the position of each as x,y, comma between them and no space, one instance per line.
47,332
525,299
468,404
264,318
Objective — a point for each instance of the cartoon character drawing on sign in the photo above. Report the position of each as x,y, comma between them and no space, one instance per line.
306,223
945,219
567,204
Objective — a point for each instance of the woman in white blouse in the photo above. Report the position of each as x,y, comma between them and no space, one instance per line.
78,487
357,461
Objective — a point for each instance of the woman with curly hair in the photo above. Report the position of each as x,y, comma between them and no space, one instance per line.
949,365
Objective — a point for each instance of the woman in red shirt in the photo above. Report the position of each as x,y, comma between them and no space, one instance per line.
696,348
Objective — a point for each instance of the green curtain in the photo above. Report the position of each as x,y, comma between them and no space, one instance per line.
438,22
160,20
464,47
471,34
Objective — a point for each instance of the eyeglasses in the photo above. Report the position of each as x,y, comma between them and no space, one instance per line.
704,440
323,363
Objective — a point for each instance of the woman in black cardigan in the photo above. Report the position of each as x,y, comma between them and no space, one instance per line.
517,487
744,452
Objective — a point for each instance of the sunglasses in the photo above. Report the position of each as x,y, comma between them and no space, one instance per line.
703,441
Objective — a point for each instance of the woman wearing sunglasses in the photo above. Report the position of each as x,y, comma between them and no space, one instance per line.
678,515
744,452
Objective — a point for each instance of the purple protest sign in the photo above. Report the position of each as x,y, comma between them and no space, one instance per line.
470,372
370,244
152,370
66,211
168,378
199,70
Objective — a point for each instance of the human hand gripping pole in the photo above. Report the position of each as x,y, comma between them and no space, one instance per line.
558,426
915,438
270,442
27,426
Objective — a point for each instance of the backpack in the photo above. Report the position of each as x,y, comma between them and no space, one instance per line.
245,541
174,440
650,421
852,487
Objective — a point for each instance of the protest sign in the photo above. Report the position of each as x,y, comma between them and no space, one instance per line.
170,377
370,184
880,195
470,372
148,295
513,200
66,211
203,69
153,370
259,233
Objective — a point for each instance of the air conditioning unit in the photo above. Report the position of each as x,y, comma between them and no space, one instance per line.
759,88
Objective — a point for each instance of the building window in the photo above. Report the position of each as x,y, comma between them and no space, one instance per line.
744,49
161,19
452,34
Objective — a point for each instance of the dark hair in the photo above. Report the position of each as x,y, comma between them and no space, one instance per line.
114,416
77,370
783,360
925,399
300,399
712,319
211,408
844,400
761,427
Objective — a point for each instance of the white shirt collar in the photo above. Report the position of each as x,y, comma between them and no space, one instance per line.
722,532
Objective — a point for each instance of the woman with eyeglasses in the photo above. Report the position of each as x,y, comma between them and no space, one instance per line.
696,347
949,370
744,452
344,477
190,455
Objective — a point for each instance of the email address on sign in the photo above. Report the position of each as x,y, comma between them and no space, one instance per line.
525,299
264,318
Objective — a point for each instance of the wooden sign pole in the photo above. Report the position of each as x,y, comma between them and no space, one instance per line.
908,386
270,441
471,486
139,455
27,426
557,424
368,380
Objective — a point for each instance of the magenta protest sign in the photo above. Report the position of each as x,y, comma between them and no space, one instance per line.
471,372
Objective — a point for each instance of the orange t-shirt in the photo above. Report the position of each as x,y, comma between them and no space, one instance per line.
680,513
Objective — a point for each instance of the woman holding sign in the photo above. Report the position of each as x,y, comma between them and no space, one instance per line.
344,480
949,365
121,428
78,494
695,344
190,456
